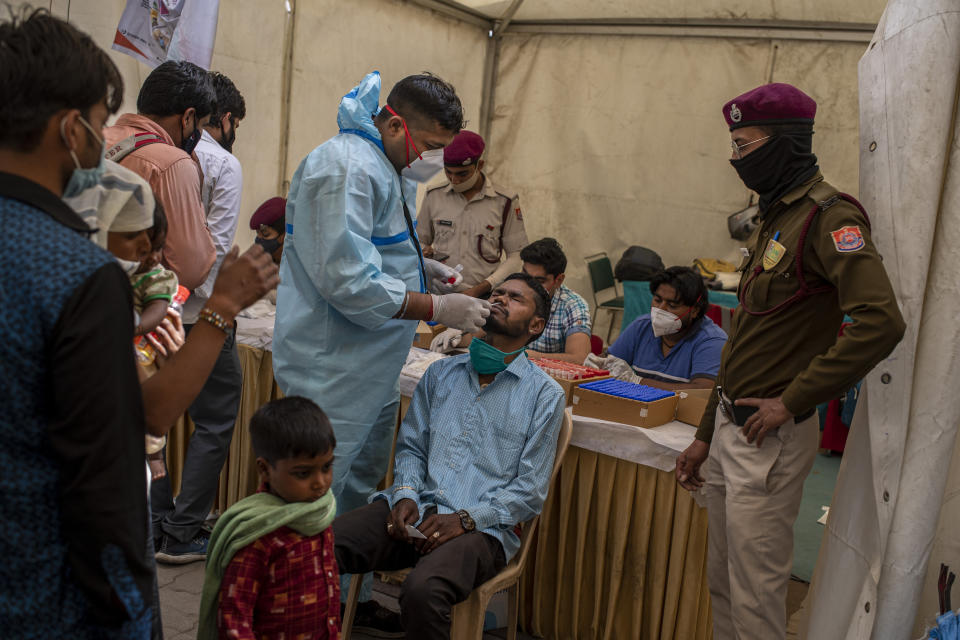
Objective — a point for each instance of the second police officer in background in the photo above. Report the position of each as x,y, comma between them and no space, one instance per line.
470,222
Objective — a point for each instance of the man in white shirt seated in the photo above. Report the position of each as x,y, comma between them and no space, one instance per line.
473,459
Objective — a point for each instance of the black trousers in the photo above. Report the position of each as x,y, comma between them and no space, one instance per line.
438,581
214,413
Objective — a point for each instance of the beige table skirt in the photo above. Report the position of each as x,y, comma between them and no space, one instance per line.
621,551
621,554
238,479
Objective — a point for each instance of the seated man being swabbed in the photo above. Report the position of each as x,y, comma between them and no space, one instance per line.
474,458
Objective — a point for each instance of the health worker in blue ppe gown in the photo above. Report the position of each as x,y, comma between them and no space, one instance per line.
354,281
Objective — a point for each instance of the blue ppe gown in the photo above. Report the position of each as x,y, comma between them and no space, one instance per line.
348,261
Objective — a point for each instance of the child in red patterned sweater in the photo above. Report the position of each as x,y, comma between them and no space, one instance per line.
271,571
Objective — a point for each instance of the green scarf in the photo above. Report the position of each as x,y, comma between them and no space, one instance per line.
243,524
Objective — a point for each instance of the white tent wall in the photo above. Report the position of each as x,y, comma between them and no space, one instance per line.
610,140
337,43
619,140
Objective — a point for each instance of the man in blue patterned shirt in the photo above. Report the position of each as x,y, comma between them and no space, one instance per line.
73,491
474,457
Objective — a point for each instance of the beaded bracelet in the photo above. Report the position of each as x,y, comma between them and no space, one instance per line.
215,319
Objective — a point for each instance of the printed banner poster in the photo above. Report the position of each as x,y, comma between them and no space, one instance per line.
154,31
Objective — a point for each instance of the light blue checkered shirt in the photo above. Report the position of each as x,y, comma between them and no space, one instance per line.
489,451
569,314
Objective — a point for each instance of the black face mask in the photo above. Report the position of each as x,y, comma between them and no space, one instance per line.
268,245
189,143
787,161
226,141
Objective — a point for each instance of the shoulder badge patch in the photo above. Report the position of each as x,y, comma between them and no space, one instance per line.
518,214
847,239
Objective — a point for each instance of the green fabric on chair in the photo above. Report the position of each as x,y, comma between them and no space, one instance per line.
637,300
615,303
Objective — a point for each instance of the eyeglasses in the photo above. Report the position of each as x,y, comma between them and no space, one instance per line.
737,147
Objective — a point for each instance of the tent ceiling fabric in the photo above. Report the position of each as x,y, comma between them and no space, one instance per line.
867,11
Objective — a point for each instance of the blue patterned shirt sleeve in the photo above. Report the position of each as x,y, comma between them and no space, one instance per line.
410,463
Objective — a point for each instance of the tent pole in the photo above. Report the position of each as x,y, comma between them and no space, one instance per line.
490,62
489,79
286,92
730,29
507,17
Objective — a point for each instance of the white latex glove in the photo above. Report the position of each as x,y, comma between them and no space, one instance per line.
621,369
446,340
458,311
440,277
618,368
595,361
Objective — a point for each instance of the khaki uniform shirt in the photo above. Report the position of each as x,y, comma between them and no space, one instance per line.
462,230
796,352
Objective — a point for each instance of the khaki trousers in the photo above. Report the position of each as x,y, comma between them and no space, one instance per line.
753,496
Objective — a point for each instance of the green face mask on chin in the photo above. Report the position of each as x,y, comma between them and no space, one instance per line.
488,359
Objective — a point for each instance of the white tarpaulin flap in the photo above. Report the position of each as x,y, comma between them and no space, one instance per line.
873,560
154,31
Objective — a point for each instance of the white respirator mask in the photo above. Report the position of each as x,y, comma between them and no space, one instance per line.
664,323
425,166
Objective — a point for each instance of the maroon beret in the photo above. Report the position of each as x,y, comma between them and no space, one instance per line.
268,213
466,149
775,103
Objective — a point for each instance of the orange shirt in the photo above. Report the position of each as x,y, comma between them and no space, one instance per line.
175,179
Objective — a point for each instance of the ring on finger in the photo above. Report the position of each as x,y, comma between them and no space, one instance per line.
389,526
436,534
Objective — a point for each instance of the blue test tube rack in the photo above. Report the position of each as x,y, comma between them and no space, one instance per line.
628,390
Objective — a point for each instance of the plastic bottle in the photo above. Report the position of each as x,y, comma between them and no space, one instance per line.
145,352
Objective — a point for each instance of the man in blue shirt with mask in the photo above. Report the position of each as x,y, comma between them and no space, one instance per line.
676,346
474,457
73,503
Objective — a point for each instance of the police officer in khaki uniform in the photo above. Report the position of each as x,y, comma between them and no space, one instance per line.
811,261
470,222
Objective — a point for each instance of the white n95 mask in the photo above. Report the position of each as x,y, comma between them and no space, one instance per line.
425,166
663,322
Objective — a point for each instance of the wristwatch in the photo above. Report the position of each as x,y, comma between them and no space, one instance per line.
466,521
